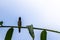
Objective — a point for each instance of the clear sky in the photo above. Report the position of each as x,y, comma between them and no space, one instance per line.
40,13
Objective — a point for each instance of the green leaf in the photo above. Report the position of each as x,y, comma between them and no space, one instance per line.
31,31
9,34
1,22
43,35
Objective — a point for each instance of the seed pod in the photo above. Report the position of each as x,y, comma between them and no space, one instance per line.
31,31
43,35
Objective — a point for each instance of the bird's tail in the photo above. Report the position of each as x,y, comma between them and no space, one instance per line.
19,30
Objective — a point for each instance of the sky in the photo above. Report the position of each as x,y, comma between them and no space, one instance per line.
40,13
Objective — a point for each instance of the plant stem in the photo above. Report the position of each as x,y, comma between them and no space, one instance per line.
33,28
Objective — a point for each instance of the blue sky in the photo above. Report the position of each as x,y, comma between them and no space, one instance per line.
40,13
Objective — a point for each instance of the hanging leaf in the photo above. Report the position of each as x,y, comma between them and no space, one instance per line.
9,34
31,31
1,23
43,35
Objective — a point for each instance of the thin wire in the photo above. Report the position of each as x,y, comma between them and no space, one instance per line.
33,28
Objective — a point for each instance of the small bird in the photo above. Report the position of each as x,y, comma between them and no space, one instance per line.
1,23
19,24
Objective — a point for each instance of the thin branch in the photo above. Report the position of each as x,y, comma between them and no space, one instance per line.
33,28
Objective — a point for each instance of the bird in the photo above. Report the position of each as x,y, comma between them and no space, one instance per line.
1,23
19,24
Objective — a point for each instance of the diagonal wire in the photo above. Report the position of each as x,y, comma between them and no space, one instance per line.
33,28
